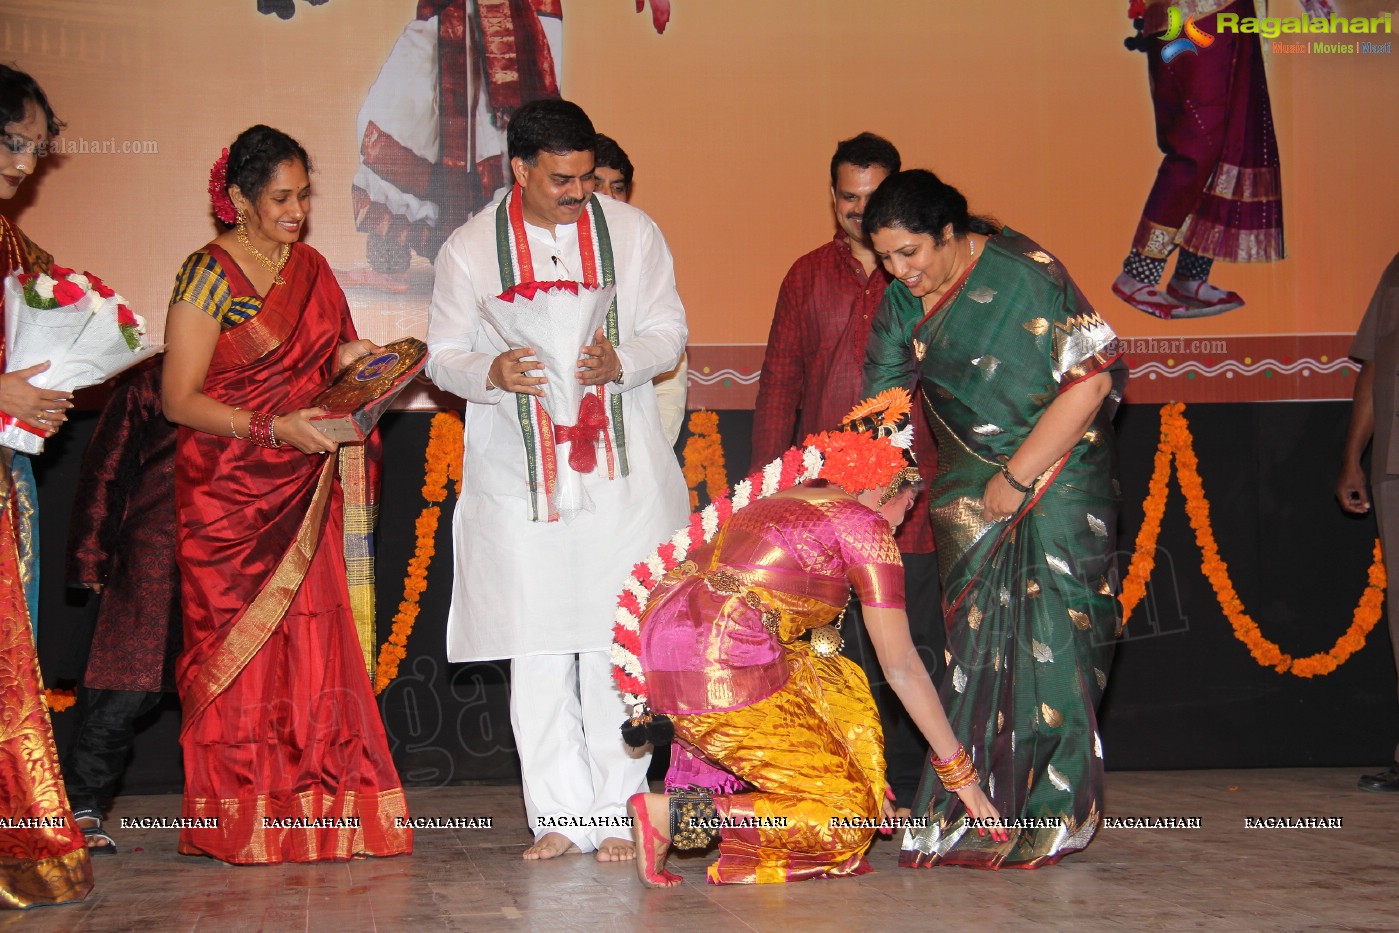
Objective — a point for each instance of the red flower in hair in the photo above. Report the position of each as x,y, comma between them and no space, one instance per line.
218,191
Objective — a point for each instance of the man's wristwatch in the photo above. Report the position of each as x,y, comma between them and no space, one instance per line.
621,374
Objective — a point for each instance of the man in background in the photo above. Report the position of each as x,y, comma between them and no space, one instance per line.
1372,415
811,376
121,544
612,175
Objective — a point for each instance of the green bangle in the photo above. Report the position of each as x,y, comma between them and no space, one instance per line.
1014,483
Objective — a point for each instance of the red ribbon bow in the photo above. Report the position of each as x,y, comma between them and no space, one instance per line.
583,436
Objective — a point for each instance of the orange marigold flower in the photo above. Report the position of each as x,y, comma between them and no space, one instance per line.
1176,441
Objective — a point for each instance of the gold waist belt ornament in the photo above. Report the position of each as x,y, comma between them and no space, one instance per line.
826,640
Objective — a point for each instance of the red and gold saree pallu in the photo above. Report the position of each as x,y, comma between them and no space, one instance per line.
285,753
814,754
1031,614
43,859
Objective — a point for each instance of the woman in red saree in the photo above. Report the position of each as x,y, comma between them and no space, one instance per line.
285,753
42,856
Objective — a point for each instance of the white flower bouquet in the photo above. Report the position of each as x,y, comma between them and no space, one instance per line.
74,321
556,320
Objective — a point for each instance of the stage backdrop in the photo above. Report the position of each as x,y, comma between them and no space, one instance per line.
1035,110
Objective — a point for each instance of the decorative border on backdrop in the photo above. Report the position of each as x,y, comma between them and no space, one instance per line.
1245,368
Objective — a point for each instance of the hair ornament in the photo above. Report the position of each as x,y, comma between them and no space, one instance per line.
218,191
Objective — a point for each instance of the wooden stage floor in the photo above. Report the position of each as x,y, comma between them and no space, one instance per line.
1222,876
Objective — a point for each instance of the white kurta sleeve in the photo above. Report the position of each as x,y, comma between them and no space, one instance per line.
660,331
454,329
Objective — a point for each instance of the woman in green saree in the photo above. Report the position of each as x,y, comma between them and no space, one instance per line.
1020,378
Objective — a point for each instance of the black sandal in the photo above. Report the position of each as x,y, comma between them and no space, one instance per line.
107,845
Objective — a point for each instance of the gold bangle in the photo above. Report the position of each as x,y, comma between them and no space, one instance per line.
231,429
954,784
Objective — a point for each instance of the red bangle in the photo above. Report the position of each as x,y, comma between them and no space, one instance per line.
261,431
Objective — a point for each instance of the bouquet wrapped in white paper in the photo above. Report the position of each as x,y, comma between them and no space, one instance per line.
556,320
73,320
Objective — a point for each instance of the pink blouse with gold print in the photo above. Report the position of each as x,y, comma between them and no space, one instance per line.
714,631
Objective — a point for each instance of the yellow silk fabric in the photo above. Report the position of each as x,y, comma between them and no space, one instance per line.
814,752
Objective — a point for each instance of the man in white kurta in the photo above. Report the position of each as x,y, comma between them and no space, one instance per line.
543,593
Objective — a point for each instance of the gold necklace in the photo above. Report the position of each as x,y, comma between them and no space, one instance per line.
274,267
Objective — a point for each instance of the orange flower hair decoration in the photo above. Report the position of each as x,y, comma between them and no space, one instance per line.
873,448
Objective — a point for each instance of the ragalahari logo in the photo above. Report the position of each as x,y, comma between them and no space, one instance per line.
1176,44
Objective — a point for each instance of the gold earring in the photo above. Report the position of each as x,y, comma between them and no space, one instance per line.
242,221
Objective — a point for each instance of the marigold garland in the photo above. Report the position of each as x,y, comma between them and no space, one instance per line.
704,458
443,462
1176,441
59,700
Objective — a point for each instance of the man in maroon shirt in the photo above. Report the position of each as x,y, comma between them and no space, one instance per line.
811,377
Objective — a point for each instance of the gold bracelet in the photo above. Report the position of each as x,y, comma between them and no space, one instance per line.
231,429
952,762
954,784
490,386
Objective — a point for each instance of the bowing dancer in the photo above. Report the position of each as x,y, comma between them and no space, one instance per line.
778,735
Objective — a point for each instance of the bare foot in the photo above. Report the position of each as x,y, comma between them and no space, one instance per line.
551,845
616,850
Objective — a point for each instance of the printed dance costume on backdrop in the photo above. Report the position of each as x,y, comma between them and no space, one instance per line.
1218,192
280,721
1031,614
432,126
46,863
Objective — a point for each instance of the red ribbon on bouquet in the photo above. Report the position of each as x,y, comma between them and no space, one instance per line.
7,420
584,435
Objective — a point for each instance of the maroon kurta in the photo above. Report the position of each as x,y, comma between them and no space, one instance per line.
122,536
